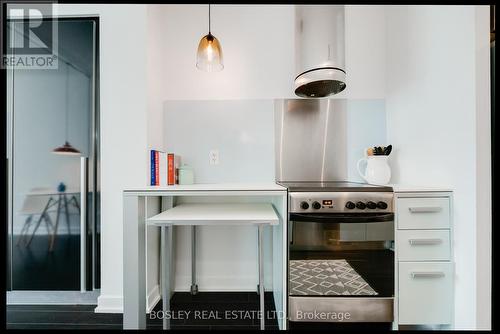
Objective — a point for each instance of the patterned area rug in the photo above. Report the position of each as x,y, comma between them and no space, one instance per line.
326,277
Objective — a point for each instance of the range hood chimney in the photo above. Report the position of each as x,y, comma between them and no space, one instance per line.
319,50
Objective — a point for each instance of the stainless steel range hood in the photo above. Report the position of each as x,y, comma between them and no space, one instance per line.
319,50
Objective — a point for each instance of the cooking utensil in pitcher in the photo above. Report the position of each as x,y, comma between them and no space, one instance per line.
388,150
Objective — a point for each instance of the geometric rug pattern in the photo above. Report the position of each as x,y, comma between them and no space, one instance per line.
325,278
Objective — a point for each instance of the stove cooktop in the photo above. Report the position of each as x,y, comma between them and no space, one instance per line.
333,186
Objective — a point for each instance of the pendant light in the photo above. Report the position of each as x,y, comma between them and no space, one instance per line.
67,148
209,55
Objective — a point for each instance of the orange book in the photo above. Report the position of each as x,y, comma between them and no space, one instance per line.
170,169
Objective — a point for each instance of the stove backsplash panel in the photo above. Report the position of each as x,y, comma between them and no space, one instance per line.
322,139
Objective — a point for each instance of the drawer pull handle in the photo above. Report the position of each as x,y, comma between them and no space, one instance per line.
419,242
427,274
424,209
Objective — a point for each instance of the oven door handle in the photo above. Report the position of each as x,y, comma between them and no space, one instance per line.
341,218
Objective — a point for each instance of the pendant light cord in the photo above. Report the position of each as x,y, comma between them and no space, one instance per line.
209,32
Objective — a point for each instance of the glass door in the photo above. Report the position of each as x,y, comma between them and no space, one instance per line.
53,173
341,255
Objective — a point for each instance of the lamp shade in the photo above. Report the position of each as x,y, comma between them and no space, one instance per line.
66,149
209,55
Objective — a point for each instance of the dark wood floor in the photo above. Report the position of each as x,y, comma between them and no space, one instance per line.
207,310
34,267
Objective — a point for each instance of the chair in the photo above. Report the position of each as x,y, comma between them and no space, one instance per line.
35,205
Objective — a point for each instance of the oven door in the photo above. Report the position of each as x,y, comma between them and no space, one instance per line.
341,267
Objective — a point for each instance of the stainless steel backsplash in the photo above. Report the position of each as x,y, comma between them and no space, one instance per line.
311,139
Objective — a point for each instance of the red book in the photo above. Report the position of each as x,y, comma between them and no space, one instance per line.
170,169
157,168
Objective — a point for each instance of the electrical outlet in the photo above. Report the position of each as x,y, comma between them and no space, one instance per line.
213,157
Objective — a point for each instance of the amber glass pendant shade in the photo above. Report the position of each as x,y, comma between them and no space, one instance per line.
209,57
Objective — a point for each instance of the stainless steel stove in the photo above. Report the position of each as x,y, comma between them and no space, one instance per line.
333,186
348,197
340,233
341,258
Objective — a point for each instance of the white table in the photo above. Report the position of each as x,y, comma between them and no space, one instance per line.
214,214
218,212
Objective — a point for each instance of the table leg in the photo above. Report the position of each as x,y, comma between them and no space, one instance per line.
24,230
134,262
53,238
47,206
261,276
48,223
67,213
75,202
194,286
165,275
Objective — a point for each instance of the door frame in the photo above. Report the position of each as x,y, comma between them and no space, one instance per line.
92,280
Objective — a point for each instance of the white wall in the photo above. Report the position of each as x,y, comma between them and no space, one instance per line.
258,47
242,132
257,44
432,122
156,62
365,52
483,171
123,101
366,127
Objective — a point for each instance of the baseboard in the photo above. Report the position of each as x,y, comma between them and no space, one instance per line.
52,297
109,304
153,298
114,304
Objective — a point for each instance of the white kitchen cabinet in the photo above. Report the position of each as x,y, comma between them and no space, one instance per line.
423,213
425,293
424,257
424,245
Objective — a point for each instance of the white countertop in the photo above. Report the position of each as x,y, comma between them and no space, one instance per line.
264,186
406,188
267,186
217,214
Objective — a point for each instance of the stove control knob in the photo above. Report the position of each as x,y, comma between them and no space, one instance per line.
316,205
304,205
371,205
350,205
361,205
382,205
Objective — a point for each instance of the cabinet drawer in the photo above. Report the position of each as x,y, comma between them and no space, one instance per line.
425,293
423,245
423,213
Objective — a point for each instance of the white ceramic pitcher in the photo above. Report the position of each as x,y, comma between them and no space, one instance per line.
377,169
